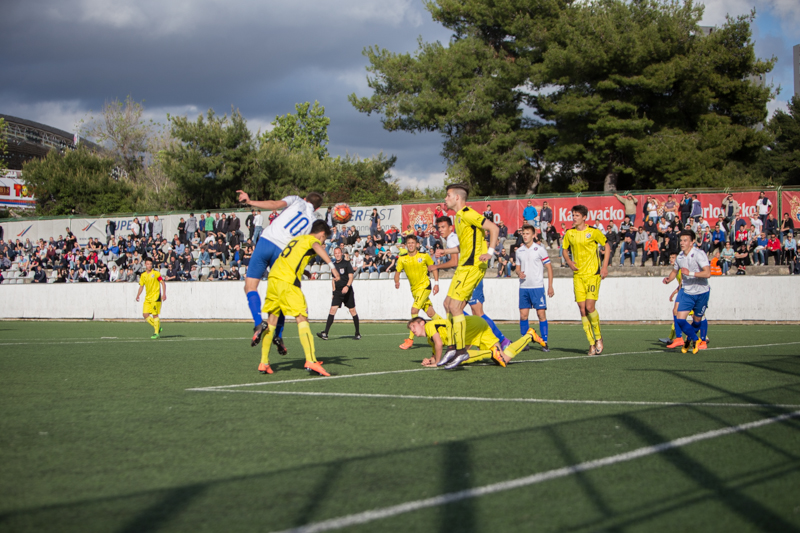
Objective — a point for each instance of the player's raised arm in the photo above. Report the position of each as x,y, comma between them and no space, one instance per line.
494,233
269,205
326,258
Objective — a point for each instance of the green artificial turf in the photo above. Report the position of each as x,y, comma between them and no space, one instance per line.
106,434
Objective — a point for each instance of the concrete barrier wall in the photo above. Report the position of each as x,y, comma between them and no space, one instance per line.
625,299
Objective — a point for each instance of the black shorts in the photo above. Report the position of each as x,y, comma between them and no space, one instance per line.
348,299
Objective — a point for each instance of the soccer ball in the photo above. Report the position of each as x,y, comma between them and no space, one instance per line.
341,214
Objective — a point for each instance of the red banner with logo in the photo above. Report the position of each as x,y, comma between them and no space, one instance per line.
790,203
601,208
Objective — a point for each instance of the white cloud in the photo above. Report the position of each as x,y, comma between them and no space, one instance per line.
410,179
787,11
64,115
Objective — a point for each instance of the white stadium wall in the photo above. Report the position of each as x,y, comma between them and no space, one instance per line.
85,228
761,298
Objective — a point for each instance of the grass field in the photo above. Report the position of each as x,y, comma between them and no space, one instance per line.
102,429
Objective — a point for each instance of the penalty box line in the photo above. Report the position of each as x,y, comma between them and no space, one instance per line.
368,374
452,497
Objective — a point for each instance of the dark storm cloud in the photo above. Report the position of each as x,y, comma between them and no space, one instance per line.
259,57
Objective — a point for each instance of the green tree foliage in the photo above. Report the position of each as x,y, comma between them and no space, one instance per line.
213,158
782,159
3,140
626,94
472,90
122,129
77,182
645,100
307,130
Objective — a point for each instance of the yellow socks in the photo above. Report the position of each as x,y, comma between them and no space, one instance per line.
587,327
436,316
517,346
155,322
459,331
411,333
307,340
477,355
594,319
266,344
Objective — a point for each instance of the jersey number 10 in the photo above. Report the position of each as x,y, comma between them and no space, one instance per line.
298,224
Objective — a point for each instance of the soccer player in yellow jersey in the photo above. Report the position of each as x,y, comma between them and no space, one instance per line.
439,332
582,240
156,288
284,294
474,256
415,265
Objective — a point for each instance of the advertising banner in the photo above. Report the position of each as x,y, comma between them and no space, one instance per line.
790,203
601,208
14,192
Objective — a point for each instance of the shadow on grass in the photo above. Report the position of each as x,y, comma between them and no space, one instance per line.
172,503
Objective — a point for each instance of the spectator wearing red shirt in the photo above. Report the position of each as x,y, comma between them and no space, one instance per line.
774,249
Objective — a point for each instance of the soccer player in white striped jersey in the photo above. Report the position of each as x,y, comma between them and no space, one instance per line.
296,219
532,258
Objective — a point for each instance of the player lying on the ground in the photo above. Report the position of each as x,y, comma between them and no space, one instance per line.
695,269
415,264
478,334
532,258
294,220
152,281
284,294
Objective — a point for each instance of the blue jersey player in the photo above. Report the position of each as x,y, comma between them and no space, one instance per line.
295,219
695,270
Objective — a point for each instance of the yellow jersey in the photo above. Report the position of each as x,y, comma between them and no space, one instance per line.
476,327
416,268
152,285
471,242
583,245
291,264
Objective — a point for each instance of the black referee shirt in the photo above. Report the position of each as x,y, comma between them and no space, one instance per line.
345,269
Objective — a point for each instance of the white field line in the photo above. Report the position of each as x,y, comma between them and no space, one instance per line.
368,374
511,400
451,497
106,340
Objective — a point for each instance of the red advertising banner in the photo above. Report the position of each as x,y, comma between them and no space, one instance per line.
790,203
601,208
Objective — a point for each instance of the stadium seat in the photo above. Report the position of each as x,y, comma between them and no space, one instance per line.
315,269
374,275
383,275
163,271
243,271
324,275
195,254
403,275
325,268
14,267
395,249
363,275
204,272
216,263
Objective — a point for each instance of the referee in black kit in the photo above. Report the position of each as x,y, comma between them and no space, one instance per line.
342,293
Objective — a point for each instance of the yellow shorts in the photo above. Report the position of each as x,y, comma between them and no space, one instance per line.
586,287
464,281
152,308
422,299
483,340
285,297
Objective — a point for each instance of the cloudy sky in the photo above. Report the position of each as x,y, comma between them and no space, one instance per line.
63,58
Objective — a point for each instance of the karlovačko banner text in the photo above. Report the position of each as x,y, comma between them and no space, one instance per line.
601,208
14,192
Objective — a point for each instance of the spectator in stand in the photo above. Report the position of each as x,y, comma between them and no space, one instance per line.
530,214
612,237
663,226
773,249
379,236
772,225
697,209
727,257
391,235
503,270
136,229
628,250
651,250
545,217
5,264
158,226
111,230
640,238
789,249
794,267
718,238
503,235
625,226
787,225
671,212
741,260
629,201
649,226
730,211
113,274
374,222
258,224
234,227
213,275
357,262
438,211
756,223
651,210
742,238
704,240
223,275
489,214
208,228
764,209
552,236
666,249
369,264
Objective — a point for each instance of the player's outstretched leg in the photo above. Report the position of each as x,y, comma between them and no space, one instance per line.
689,330
504,342
587,328
307,341
594,320
264,367
544,330
409,341
676,336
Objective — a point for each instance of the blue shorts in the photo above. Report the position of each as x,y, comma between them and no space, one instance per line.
263,257
698,303
477,294
532,298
